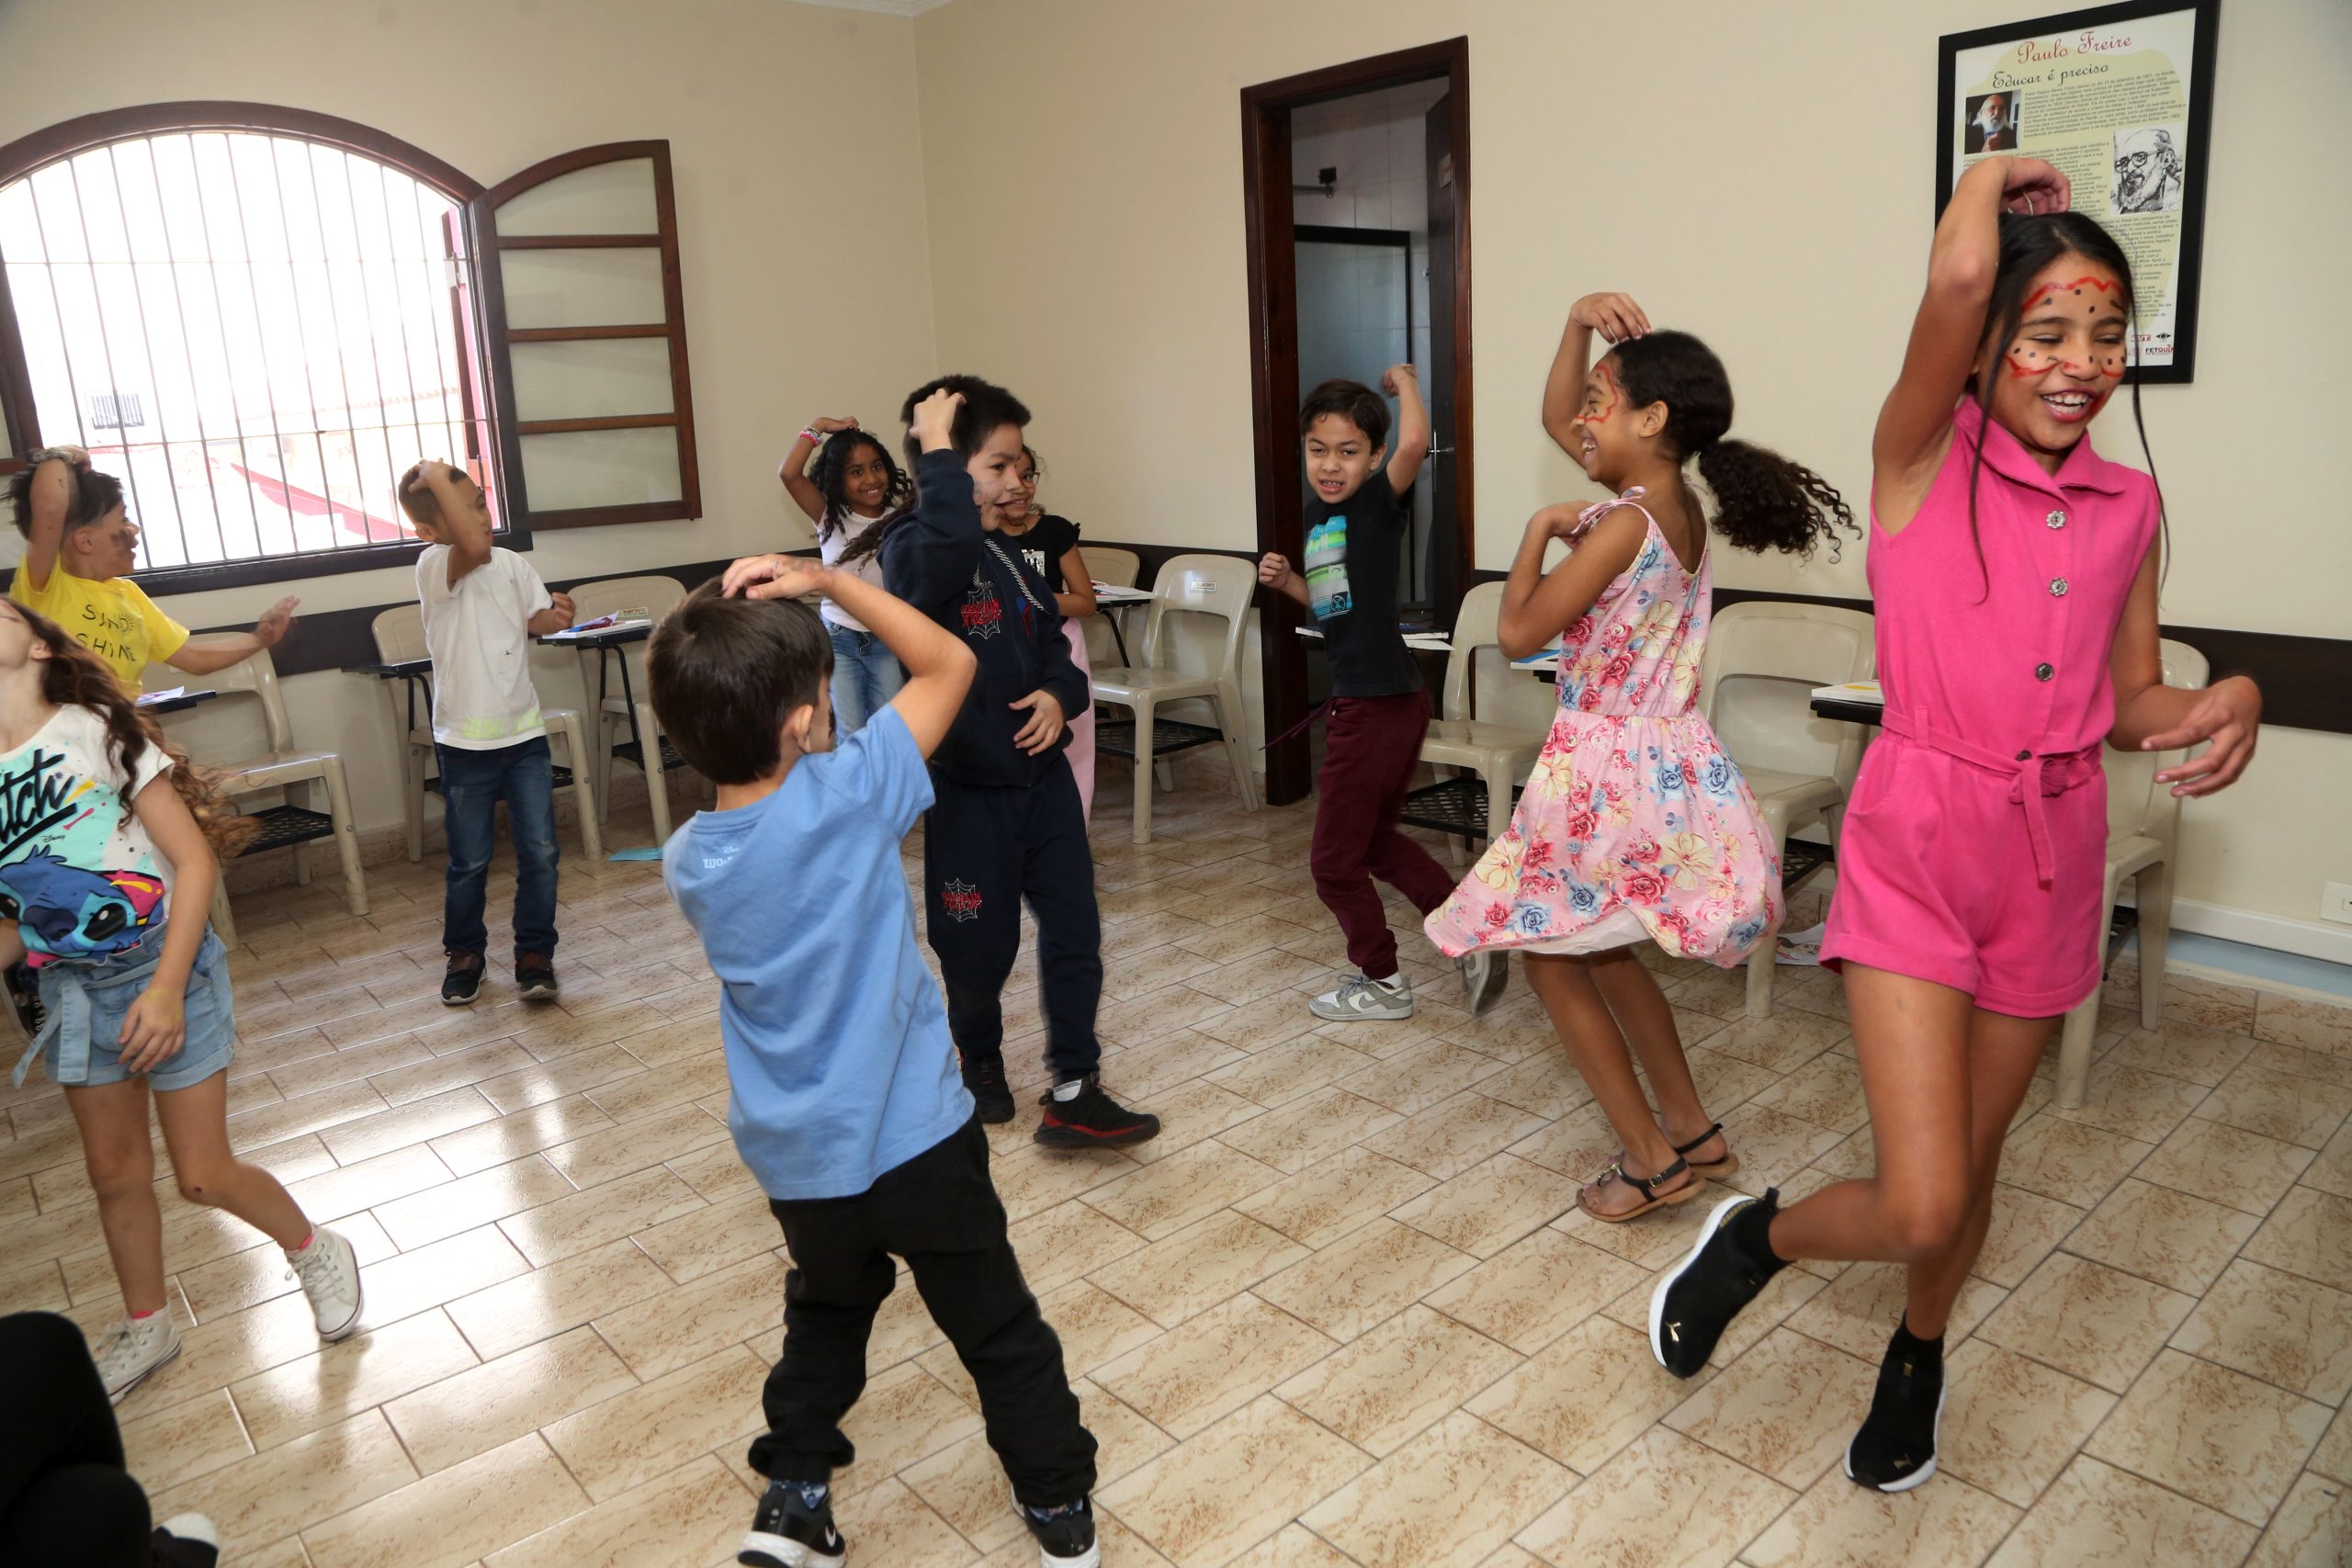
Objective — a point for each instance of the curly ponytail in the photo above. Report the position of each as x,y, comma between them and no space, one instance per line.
1763,500
71,676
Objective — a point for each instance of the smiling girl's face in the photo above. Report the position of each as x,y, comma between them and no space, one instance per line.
2066,357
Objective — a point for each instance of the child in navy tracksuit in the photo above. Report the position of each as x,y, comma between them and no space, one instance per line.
1006,824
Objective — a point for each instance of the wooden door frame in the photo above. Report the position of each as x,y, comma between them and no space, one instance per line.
1273,356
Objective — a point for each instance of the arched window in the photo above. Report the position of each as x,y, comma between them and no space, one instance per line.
259,318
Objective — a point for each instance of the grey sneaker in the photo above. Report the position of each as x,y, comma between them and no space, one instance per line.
1361,1001
133,1348
329,1271
1483,974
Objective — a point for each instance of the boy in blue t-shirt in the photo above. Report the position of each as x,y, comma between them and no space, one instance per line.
845,1102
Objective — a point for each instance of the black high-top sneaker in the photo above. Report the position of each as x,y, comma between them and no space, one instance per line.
1895,1448
1091,1119
984,1077
1727,1269
789,1531
1065,1535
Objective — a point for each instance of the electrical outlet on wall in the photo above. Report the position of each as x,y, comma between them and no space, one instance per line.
2336,902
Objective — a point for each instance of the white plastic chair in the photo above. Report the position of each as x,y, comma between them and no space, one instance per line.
1763,661
279,767
400,638
1201,585
614,710
1500,754
2143,840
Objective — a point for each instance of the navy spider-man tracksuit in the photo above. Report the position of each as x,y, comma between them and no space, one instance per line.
1004,826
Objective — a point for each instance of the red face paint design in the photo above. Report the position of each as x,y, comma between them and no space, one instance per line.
2105,286
1608,380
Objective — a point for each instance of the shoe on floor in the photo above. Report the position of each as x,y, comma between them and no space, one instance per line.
1361,1001
1483,974
1065,1535
185,1540
462,983
1699,1297
535,975
788,1532
133,1348
992,1097
1091,1119
1895,1448
329,1271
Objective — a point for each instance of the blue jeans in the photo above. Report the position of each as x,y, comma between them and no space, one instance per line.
866,677
472,783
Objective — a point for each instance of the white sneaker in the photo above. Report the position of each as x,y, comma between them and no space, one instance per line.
186,1540
1483,974
133,1348
329,1271
1361,1001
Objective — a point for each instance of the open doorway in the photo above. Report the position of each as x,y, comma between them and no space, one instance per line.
1356,179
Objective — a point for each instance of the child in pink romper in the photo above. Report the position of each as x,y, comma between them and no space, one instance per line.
2014,573
1636,825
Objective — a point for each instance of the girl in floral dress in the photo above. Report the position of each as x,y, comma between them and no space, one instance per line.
1636,825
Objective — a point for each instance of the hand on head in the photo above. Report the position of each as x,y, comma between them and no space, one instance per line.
1615,316
772,576
934,420
2032,187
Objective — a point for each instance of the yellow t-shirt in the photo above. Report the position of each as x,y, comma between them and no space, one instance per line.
113,619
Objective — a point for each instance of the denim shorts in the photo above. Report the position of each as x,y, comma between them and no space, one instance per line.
109,989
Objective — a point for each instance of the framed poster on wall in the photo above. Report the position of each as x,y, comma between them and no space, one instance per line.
2120,99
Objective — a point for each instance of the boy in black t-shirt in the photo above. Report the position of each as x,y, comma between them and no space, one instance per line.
1378,712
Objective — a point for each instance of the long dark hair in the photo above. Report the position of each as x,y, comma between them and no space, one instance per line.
91,495
986,408
2030,241
830,474
71,676
1763,500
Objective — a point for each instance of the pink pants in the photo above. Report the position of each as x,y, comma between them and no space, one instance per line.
1081,728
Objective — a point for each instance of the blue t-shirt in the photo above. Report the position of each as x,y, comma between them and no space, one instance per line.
837,1047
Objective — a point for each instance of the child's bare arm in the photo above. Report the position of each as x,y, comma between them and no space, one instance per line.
1078,597
557,616
2152,716
156,1025
794,471
1616,318
53,497
1274,572
1412,439
1536,607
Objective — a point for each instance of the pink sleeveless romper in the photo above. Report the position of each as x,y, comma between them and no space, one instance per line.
1973,853
1635,825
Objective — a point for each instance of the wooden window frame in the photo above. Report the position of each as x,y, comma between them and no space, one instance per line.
485,245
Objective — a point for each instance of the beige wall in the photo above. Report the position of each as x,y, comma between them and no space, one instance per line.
1634,147
792,132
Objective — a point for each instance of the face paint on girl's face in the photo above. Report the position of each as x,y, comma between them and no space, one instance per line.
2070,346
1600,451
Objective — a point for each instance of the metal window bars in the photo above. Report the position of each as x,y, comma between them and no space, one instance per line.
252,331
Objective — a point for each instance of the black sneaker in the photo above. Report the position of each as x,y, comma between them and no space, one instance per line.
1092,1120
984,1076
1895,1448
185,1540
534,974
1699,1297
1065,1535
462,983
788,1533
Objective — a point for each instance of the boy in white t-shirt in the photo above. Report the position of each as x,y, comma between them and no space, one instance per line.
482,605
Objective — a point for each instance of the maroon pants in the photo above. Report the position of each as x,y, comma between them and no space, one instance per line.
1373,746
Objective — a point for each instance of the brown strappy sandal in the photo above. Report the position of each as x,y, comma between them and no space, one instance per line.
1711,1169
1645,1184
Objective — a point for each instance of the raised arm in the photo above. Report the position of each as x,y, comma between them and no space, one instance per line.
1410,444
939,667
1537,608
1616,318
794,471
52,499
1915,424
929,557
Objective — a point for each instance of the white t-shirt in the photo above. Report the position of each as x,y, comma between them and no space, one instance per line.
481,644
80,879
866,567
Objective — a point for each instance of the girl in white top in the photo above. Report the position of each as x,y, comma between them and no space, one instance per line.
854,485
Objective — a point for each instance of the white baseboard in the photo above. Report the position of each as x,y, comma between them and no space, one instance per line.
2311,939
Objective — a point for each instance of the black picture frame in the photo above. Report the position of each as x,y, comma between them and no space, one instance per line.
2190,264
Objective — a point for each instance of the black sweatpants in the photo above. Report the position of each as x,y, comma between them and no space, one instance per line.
940,1211
984,850
65,1499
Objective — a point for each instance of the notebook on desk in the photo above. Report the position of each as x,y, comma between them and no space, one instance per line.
598,628
1850,692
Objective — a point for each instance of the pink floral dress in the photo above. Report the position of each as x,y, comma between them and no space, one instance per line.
1635,823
